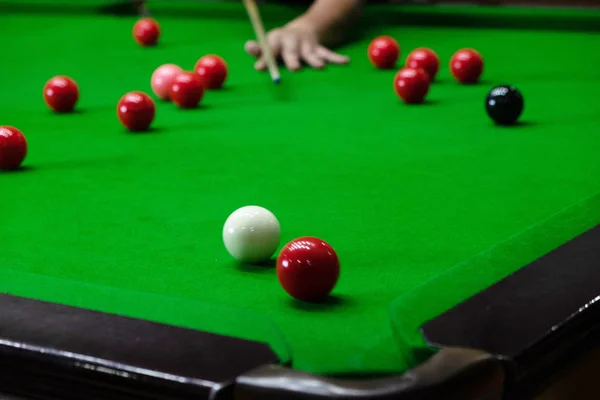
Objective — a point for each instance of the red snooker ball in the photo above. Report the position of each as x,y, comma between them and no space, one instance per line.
384,52
426,59
411,85
136,111
13,148
213,71
466,66
187,90
308,268
146,32
61,94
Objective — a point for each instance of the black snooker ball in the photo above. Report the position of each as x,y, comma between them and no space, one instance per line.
504,104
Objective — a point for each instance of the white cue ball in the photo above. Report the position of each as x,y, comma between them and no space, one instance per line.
251,234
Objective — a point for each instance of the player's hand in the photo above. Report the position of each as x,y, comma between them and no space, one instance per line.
296,43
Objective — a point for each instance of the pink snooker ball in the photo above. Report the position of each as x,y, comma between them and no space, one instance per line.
162,80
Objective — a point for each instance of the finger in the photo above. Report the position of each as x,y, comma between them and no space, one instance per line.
253,48
290,52
331,56
274,41
260,64
310,56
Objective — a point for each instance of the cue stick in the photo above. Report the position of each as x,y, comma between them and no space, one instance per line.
261,36
144,12
142,9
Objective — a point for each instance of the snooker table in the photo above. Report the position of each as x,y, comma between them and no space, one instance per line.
469,252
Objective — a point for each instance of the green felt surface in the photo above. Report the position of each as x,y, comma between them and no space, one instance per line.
425,205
